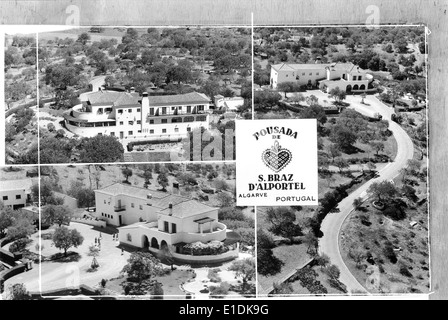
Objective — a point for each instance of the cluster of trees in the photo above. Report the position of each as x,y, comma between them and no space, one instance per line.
169,58
15,224
22,51
22,119
56,148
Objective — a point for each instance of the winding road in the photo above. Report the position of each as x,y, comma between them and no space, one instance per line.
332,224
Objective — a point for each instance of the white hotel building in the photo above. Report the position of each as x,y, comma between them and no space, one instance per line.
154,220
346,76
128,115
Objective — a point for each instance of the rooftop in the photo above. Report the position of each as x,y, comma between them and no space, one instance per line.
182,206
113,97
187,98
348,67
22,184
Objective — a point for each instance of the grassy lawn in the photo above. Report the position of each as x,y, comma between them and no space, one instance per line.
293,257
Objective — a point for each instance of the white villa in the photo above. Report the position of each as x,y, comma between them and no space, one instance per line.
157,221
346,76
126,115
16,193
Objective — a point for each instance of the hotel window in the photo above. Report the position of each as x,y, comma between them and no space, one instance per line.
18,196
173,228
112,134
201,108
129,237
173,108
121,123
176,129
132,205
130,133
201,118
151,131
164,110
130,110
188,129
163,130
5,197
139,122
188,109
139,131
120,111
164,120
138,110
166,226
151,111
151,121
131,122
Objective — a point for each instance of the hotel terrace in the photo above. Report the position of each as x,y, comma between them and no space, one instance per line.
127,115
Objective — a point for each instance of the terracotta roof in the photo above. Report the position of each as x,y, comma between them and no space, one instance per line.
22,184
113,97
192,97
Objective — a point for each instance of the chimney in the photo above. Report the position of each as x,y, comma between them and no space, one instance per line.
170,206
132,90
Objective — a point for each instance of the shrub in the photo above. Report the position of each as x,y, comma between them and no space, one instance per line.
219,291
213,275
405,271
389,252
19,245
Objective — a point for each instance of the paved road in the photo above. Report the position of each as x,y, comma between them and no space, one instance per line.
331,226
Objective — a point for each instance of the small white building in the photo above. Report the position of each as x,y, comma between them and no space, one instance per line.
228,103
16,193
156,221
126,115
346,76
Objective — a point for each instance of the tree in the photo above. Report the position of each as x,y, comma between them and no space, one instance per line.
332,271
140,270
343,136
127,172
162,180
56,214
244,269
322,260
338,95
383,191
22,227
6,218
377,146
282,222
333,151
100,149
224,199
83,38
371,166
64,239
341,163
94,251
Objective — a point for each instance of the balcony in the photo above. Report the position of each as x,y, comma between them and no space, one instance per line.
119,208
